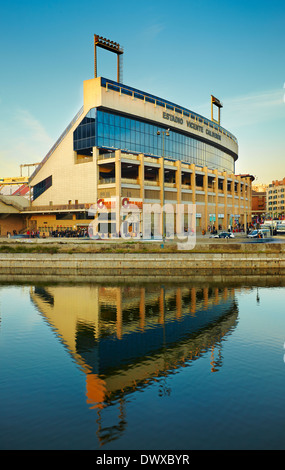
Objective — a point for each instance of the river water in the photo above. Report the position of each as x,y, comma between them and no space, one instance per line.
151,366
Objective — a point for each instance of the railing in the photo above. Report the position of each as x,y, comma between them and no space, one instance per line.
146,97
61,207
105,156
129,181
151,183
107,181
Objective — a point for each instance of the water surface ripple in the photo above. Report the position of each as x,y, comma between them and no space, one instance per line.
151,366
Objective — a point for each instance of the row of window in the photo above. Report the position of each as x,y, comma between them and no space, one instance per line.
105,129
275,204
280,190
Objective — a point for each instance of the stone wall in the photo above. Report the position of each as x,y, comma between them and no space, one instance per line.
153,265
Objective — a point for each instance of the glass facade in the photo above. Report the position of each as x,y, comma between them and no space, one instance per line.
109,130
41,187
84,135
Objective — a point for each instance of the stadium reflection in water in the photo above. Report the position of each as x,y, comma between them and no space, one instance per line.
126,338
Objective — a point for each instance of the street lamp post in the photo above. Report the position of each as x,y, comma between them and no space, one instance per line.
163,196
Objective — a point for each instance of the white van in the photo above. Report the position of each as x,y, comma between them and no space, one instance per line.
260,233
280,229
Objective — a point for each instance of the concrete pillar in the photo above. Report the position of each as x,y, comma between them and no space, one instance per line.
216,190
205,189
95,162
162,189
239,197
118,176
141,183
225,191
141,175
178,182
233,197
193,182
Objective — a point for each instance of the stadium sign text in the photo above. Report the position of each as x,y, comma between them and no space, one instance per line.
197,127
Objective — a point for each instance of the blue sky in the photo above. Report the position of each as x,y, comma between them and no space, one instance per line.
181,50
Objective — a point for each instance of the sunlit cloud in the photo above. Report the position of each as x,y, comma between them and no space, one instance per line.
152,31
32,129
255,108
23,140
251,109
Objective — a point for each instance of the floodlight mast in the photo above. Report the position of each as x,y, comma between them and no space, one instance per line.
111,46
216,102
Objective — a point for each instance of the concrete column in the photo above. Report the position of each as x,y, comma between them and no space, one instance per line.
95,162
193,182
233,197
178,183
141,183
245,214
249,182
239,197
162,189
232,210
141,175
225,191
205,189
118,176
216,186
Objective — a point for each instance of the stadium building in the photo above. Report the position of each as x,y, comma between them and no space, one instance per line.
138,148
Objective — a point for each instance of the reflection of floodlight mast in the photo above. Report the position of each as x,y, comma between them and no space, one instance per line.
111,46
216,102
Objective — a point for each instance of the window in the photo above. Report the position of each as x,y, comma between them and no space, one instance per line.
64,216
41,187
133,135
84,135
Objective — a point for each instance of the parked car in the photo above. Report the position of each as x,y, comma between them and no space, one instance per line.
260,233
19,236
223,235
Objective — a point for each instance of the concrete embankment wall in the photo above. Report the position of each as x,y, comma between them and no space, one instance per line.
141,265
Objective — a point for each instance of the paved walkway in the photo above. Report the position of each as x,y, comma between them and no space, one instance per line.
200,240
